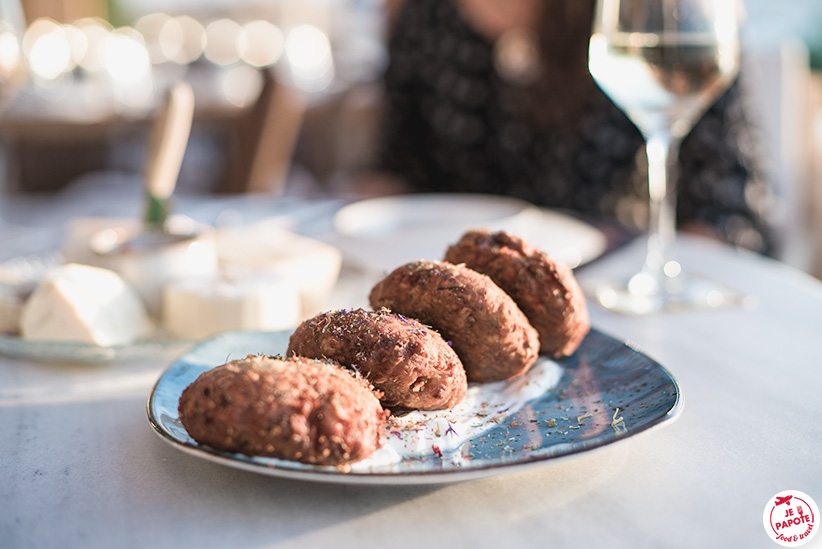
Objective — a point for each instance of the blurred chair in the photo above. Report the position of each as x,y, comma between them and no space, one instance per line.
265,139
254,145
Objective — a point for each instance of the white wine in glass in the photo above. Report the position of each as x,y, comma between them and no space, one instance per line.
664,63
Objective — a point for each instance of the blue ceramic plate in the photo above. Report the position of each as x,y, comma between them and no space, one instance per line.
605,392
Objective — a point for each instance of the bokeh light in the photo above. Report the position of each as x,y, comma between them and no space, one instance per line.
47,49
193,41
171,41
222,38
125,56
9,53
95,31
152,27
241,85
261,43
309,56
126,60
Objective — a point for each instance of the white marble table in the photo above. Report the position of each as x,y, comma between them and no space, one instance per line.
81,467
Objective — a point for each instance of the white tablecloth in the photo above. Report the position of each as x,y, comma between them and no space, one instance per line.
81,467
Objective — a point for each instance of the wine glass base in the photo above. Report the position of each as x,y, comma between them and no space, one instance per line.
645,295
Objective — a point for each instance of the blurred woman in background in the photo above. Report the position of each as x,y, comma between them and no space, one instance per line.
494,96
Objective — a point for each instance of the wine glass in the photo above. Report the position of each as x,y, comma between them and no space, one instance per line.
663,62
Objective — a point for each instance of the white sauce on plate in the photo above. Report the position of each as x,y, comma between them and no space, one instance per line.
425,433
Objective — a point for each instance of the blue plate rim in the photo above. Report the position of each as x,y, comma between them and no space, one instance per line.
299,471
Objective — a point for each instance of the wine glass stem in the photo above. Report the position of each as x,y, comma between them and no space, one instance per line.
662,151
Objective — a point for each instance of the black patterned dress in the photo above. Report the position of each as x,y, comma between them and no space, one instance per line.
453,124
